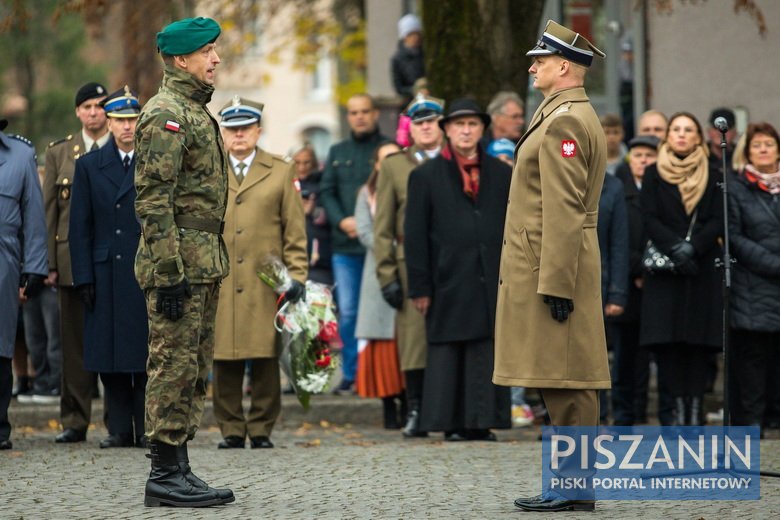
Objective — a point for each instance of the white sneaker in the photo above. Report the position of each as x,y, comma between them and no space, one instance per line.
25,397
45,398
522,416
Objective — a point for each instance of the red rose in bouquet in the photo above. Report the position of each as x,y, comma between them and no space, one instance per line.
329,331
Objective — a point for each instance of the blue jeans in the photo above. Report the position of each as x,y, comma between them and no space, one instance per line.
348,271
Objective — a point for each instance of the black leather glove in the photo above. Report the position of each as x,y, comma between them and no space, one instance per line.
295,293
87,293
32,283
170,300
681,252
560,308
393,294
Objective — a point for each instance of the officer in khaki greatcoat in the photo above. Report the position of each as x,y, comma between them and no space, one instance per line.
181,185
78,385
424,112
264,218
549,321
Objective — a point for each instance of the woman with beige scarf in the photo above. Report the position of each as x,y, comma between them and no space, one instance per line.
754,233
682,310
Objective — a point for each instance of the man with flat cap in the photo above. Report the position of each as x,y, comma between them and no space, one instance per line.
181,183
104,239
549,321
424,112
455,209
264,218
78,385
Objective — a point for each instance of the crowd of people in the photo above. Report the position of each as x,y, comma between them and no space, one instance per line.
409,233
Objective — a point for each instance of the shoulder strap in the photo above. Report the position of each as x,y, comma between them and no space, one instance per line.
766,207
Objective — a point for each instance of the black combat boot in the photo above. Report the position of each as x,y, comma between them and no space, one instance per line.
226,495
412,427
168,487
390,413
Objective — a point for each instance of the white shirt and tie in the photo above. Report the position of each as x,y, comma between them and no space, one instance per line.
241,166
91,144
126,157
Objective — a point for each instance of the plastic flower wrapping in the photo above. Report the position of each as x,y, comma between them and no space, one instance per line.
309,332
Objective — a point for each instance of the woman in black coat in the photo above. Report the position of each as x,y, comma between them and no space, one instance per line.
754,228
682,310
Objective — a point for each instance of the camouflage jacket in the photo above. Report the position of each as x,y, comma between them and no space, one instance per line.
181,174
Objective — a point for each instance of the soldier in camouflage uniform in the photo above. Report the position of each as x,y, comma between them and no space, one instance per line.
181,181
424,112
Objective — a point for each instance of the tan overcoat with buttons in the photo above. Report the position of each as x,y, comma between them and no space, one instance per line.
57,188
264,217
551,248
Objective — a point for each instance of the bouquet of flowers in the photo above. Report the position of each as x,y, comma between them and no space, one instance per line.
309,332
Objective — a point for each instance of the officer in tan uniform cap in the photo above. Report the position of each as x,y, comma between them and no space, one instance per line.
425,113
549,324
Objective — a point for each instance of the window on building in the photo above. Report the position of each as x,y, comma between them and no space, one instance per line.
320,140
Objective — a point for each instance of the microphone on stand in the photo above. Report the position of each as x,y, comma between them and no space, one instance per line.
721,124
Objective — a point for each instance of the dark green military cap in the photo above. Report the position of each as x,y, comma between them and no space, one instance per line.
187,35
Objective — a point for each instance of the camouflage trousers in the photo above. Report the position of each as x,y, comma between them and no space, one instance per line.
180,357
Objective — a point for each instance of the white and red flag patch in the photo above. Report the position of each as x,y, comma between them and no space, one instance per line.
297,185
568,148
173,126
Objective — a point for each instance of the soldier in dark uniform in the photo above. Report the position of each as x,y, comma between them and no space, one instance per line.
104,238
22,252
424,112
182,187
78,385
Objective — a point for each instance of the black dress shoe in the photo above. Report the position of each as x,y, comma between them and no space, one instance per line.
71,435
230,442
556,504
455,437
260,442
119,440
481,435
6,444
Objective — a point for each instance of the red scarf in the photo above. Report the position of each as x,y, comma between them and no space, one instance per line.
469,170
769,182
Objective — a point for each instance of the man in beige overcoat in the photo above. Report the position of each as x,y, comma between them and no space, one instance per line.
264,217
549,324
425,112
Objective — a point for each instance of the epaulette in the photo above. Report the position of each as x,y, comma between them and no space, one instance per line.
22,139
54,143
396,153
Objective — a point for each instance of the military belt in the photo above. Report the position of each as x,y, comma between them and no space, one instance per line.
200,224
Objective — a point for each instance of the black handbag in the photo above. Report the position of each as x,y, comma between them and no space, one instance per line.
654,261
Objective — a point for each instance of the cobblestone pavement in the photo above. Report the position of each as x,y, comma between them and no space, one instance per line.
321,471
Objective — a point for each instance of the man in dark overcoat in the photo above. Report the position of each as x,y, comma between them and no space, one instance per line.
104,236
456,204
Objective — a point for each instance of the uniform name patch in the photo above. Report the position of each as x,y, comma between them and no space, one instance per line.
568,148
173,126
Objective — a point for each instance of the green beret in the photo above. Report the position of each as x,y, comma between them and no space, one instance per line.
187,36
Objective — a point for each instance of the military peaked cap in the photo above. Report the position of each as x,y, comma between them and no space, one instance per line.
187,36
122,103
423,108
241,112
561,40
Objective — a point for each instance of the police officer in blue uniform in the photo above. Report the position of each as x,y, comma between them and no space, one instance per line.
104,234
23,261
